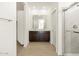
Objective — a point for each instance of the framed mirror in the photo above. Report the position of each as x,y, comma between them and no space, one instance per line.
39,22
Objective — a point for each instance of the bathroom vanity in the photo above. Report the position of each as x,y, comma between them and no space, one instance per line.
39,36
39,31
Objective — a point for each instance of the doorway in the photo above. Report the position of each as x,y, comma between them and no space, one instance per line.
37,28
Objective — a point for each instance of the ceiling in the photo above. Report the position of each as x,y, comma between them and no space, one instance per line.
40,5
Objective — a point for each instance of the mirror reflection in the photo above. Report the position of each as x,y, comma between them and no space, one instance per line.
39,22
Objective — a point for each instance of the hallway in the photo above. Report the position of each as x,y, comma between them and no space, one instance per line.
37,49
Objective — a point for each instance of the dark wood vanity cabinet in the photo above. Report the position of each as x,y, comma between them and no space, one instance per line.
39,36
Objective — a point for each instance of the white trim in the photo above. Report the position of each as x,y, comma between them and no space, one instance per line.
71,54
60,31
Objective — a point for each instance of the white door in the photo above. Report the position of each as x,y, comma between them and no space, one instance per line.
8,29
8,10
7,37
75,43
72,38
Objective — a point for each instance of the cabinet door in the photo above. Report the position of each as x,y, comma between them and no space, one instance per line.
39,36
34,36
44,36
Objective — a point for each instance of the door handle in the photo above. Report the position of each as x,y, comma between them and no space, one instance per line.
76,32
6,19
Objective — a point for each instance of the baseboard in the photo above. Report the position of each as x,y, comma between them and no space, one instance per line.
20,43
25,45
71,54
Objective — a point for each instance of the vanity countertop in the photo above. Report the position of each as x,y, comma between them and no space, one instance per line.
40,30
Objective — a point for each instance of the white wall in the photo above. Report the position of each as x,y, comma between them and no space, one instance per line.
8,29
54,26
27,15
54,20
21,26
21,23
